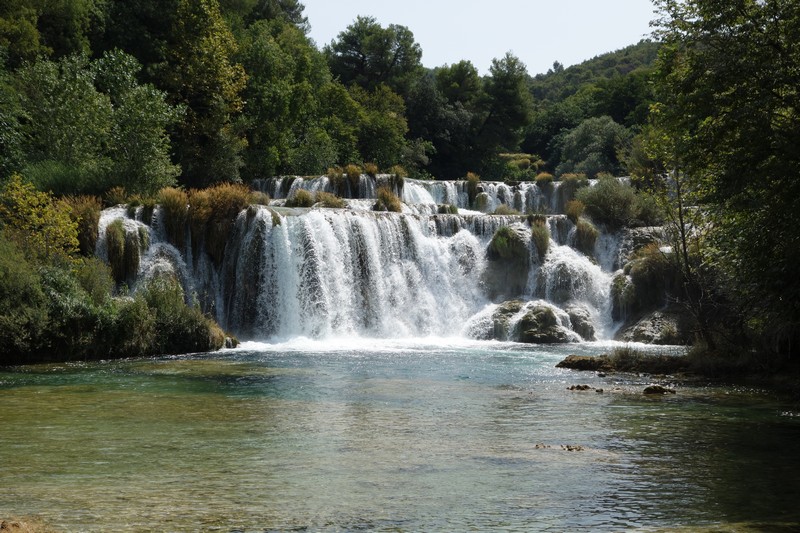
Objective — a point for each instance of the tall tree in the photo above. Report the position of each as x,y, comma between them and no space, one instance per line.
368,55
729,103
204,77
507,107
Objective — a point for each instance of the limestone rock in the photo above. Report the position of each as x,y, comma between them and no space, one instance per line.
584,362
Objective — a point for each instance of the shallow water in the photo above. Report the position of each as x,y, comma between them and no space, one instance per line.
386,435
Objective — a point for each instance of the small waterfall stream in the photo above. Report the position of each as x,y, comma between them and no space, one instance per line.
322,273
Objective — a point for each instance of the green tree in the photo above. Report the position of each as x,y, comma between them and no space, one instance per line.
382,127
203,77
506,111
66,124
285,76
32,219
368,55
139,145
89,126
727,80
19,36
592,147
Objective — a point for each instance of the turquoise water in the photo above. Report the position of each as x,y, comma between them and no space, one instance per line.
392,436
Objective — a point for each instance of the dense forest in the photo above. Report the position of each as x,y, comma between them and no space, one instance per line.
112,100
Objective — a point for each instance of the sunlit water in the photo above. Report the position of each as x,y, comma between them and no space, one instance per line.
374,435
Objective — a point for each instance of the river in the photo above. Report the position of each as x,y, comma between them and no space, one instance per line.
387,435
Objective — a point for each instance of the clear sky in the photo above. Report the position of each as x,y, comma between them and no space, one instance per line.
539,32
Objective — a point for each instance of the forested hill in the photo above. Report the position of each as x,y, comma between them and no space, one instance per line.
96,94
560,83
600,103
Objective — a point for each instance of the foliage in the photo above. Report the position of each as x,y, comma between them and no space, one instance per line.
610,202
541,237
174,214
447,209
39,225
212,214
300,198
23,312
508,244
371,169
504,209
85,212
585,236
592,147
574,210
653,274
544,179
204,77
179,327
329,200
369,55
353,173
728,115
473,180
570,183
387,201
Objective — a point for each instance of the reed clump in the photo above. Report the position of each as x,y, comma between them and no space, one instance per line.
387,201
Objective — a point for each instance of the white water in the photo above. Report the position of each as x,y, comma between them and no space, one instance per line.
331,273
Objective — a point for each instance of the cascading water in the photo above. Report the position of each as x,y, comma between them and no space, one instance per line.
351,272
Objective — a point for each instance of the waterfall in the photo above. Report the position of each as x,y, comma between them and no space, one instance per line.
322,273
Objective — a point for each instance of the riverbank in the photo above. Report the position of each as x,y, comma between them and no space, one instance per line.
753,371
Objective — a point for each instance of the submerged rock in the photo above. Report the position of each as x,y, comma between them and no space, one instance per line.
658,389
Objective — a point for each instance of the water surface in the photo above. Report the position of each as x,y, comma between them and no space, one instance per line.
386,435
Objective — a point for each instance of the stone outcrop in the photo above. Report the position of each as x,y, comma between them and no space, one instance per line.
666,326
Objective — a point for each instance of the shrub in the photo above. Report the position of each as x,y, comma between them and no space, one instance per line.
648,213
212,214
447,209
509,245
609,202
570,183
353,173
259,198
300,198
337,181
627,359
175,210
541,237
85,212
504,209
115,246
544,179
653,275
330,200
115,196
387,201
179,328
397,178
585,236
23,311
41,227
574,210
472,186
95,278
371,169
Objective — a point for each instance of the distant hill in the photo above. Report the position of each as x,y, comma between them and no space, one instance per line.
560,83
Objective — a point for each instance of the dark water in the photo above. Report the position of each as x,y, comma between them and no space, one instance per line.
400,436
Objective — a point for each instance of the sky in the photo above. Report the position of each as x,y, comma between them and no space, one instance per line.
538,32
